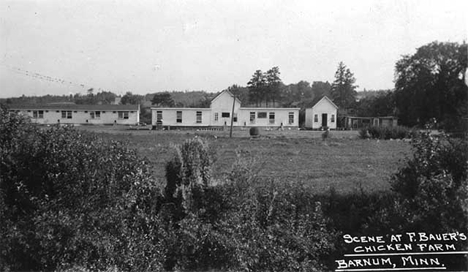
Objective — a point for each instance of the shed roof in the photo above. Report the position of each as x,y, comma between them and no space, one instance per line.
270,109
228,92
73,107
320,98
181,109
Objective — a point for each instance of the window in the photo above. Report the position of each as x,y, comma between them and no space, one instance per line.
291,118
333,118
225,114
179,117
261,115
234,117
199,117
252,117
66,114
123,114
316,118
216,116
95,114
38,114
159,116
272,117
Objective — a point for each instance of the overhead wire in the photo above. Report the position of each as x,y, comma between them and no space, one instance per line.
33,74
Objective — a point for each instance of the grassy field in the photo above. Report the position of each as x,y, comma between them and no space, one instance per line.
342,161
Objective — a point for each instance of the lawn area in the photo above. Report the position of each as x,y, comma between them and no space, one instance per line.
342,161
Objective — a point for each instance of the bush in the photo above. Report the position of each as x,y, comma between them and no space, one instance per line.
191,207
433,184
432,189
386,133
253,224
287,230
364,133
274,226
326,134
187,175
254,132
71,198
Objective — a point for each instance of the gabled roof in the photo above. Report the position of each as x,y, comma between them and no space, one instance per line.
73,107
320,98
228,92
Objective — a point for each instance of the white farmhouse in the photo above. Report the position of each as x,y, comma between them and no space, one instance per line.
78,114
321,115
224,108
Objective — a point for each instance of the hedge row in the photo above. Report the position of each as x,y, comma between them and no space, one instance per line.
386,133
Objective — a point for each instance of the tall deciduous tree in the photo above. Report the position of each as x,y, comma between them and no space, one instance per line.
320,88
296,93
131,99
163,100
343,90
379,103
430,84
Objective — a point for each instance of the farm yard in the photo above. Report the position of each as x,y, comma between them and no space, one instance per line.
342,161
124,199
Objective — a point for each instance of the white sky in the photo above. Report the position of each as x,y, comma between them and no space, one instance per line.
152,46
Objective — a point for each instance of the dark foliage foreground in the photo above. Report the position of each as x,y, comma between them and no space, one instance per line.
72,201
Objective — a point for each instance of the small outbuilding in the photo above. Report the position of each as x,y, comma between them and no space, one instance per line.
322,115
354,122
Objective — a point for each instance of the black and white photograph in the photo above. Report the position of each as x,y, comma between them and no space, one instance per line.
233,135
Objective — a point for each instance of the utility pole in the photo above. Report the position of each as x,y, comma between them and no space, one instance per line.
232,115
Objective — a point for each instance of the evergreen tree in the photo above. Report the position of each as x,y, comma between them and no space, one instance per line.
273,83
256,87
343,90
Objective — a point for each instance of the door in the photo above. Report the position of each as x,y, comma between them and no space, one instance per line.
324,120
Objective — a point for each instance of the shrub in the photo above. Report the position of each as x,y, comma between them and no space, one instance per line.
433,184
191,206
274,226
73,199
280,227
254,132
255,225
326,134
432,189
364,133
188,174
386,133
